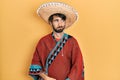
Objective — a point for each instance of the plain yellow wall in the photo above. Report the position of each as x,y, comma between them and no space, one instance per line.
97,31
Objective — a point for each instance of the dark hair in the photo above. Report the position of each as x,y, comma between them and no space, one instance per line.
57,14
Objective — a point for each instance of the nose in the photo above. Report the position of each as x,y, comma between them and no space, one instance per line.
61,23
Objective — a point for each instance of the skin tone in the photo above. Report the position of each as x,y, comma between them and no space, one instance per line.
45,77
58,26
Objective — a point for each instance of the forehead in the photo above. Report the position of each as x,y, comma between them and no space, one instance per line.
56,17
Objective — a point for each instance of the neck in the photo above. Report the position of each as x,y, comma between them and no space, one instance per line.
58,35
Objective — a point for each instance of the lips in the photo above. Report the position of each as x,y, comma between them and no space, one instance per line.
60,27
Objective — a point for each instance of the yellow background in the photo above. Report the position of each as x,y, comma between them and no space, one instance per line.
97,31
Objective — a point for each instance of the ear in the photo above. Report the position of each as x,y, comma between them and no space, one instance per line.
50,23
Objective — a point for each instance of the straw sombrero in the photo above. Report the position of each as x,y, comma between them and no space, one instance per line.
47,9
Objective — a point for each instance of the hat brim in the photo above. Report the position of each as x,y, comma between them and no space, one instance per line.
46,10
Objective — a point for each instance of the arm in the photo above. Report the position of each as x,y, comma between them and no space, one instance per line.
36,68
77,70
36,64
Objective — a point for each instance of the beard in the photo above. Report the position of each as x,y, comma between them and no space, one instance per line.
58,29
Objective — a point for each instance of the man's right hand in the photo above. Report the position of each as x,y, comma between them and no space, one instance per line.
49,78
45,77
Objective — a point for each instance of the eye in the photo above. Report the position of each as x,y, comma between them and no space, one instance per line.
62,21
56,20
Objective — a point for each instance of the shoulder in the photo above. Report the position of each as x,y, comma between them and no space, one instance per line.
73,41
72,38
45,38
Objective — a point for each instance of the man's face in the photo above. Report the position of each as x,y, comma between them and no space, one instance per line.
58,24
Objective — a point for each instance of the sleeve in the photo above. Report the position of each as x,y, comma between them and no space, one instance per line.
77,70
36,66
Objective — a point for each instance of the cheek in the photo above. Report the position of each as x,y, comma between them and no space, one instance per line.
55,24
63,24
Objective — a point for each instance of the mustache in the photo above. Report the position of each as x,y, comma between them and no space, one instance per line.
60,27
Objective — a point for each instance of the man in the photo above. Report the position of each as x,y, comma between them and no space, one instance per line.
57,55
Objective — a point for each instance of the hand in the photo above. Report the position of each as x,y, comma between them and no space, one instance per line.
45,77
49,78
